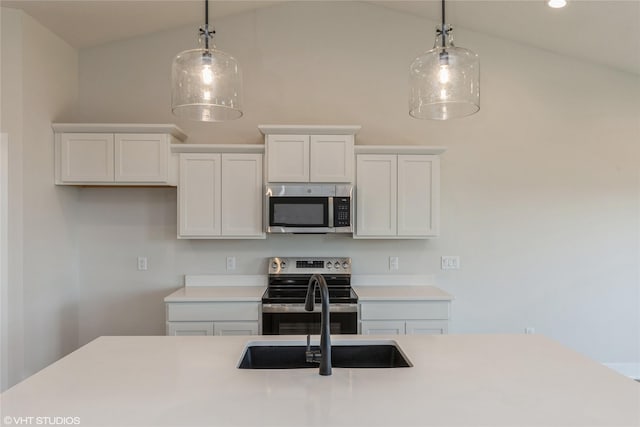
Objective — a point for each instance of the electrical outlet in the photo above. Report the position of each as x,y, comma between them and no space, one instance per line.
231,263
142,263
450,263
394,264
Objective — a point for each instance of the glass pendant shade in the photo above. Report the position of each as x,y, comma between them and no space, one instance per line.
207,86
444,83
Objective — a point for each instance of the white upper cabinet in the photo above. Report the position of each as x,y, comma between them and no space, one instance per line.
199,195
376,195
220,196
398,195
288,158
141,157
309,153
331,158
114,154
85,157
418,195
242,195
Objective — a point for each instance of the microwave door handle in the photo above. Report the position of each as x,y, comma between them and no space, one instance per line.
330,213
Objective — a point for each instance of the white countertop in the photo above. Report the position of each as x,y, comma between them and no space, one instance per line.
254,293
456,380
401,293
216,293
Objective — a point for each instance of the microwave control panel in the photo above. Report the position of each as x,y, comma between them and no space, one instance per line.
341,211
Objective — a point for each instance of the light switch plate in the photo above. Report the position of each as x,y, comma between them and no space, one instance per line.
450,263
231,263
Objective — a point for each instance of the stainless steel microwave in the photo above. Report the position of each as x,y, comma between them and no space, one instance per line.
309,208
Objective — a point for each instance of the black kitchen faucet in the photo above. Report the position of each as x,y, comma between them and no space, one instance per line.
325,332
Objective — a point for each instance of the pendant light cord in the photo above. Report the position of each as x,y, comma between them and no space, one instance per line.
443,31
204,31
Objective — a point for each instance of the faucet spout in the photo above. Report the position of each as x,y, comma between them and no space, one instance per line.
325,331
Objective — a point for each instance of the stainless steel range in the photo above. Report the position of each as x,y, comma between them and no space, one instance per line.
283,310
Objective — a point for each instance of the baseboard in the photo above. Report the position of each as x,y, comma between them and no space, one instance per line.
631,370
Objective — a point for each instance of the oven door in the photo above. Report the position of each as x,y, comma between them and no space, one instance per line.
300,214
307,323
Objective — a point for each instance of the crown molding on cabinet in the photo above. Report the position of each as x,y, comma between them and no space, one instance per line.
170,129
309,129
218,148
398,149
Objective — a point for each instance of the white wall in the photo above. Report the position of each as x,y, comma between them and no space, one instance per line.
540,189
39,86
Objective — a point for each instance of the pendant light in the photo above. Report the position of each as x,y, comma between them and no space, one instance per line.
445,81
206,82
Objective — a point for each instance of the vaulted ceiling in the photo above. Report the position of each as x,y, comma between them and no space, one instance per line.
601,31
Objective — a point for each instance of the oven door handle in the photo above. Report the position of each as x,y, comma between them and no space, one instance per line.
299,308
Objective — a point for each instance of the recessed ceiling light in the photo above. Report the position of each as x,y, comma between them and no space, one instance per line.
557,4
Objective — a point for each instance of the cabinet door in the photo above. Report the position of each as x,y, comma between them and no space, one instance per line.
331,158
287,158
141,158
418,195
199,195
427,327
376,195
377,327
86,157
189,328
242,195
235,328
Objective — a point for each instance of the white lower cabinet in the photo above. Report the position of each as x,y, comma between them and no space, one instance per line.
382,327
235,328
426,327
213,318
404,317
189,328
212,328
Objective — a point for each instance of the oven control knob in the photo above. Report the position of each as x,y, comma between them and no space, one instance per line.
329,265
336,265
274,265
345,264
283,264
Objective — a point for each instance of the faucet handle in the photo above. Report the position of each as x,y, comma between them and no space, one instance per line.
312,356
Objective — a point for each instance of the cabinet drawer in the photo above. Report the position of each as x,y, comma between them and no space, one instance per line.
406,310
427,327
235,328
189,328
211,311
382,327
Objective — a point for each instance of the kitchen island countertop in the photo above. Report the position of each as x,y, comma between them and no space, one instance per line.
456,380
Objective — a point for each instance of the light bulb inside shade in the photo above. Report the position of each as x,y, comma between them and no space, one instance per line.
207,75
557,4
443,74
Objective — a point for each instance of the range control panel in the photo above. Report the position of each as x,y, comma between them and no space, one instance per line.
327,265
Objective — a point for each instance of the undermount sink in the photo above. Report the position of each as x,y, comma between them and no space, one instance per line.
353,354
